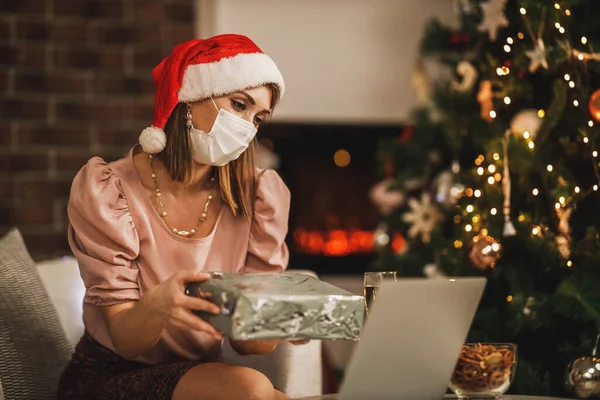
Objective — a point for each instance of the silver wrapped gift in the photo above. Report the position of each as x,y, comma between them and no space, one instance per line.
280,306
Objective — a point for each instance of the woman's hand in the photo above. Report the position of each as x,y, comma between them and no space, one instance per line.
169,301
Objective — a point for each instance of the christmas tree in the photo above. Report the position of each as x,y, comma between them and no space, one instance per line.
498,173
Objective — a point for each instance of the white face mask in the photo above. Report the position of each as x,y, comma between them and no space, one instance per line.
228,138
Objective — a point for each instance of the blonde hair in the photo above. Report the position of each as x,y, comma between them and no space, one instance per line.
235,182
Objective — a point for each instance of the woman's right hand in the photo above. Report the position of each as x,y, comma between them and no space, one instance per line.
169,301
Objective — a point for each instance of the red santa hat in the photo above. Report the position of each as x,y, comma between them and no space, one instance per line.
204,68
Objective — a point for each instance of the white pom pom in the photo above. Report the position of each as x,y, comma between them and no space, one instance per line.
153,140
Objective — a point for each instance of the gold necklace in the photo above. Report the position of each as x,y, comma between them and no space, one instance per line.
163,211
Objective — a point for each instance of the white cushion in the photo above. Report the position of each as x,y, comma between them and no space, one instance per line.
66,290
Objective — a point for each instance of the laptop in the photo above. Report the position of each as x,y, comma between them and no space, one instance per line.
412,338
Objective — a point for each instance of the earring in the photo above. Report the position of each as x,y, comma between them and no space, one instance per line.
189,118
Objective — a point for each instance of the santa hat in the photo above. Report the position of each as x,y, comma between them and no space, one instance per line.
204,68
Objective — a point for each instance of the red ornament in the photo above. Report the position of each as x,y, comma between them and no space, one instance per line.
594,105
406,135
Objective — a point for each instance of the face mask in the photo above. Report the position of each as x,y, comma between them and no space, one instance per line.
228,138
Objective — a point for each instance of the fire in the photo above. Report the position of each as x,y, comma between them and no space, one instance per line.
338,242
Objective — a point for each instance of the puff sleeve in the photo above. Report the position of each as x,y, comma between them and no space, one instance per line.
267,250
102,235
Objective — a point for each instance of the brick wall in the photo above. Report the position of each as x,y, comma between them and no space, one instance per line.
75,77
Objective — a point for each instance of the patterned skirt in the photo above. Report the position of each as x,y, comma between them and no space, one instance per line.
97,373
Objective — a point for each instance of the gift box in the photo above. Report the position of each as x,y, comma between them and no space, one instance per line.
280,306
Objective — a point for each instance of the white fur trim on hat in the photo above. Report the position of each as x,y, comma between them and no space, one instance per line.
153,140
228,75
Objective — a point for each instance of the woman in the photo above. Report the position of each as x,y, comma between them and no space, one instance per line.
187,202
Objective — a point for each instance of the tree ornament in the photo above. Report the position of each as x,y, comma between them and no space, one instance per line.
537,56
421,83
583,376
384,199
463,7
469,74
493,18
484,97
446,190
526,121
485,251
594,105
509,228
432,271
423,217
563,239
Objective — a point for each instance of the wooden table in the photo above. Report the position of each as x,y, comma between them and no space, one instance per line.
505,397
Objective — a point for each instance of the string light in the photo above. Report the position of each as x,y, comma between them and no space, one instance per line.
479,159
580,57
577,189
507,100
575,103
549,167
523,11
521,36
526,135
583,40
475,219
531,145
535,192
497,176
458,244
569,263
509,40
468,228
595,153
477,193
567,77
557,206
491,168
590,123
541,113
557,25
480,171
535,230
561,29
568,13
585,139
561,200
595,188
484,232
491,180
571,84
469,208
507,48
509,298
469,192
493,211
492,114
557,6
496,156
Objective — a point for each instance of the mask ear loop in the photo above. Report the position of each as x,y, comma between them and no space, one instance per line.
188,117
214,104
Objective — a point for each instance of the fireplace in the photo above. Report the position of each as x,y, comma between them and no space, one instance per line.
329,170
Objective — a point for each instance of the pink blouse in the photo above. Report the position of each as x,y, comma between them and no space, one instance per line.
124,248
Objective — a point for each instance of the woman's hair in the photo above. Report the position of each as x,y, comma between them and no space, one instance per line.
235,182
